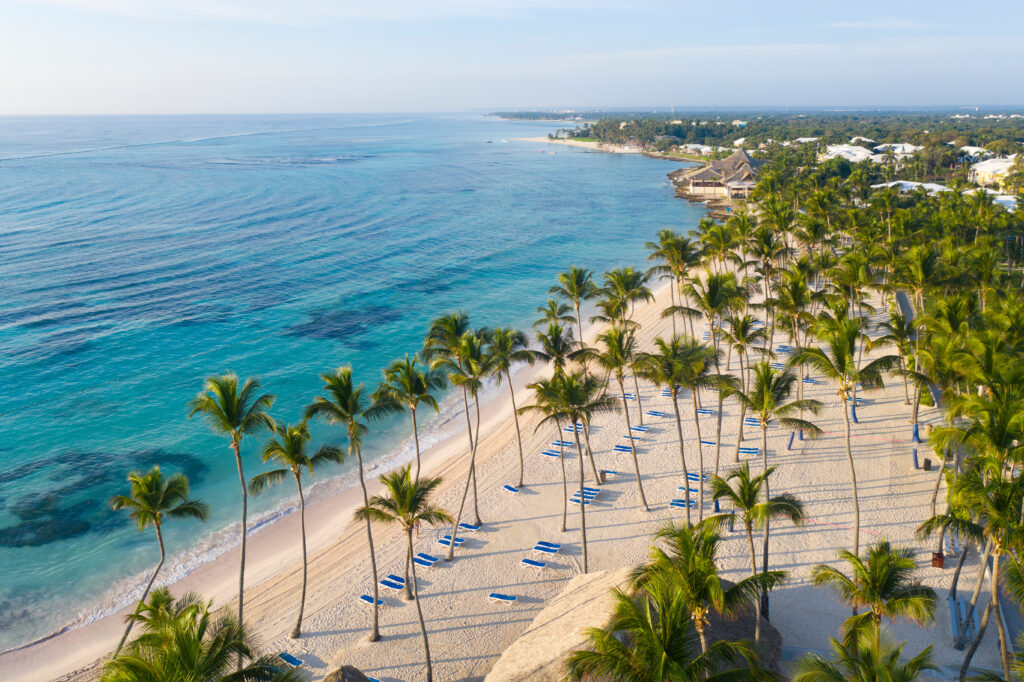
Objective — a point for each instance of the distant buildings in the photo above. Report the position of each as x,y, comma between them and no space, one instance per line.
991,172
732,177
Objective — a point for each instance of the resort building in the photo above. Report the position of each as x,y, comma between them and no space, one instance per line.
991,172
733,177
851,153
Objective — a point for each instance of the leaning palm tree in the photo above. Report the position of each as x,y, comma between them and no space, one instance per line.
680,363
755,512
691,565
619,352
882,583
554,311
406,386
289,448
576,285
508,347
864,661
838,362
235,411
182,641
151,499
649,639
407,504
348,405
579,396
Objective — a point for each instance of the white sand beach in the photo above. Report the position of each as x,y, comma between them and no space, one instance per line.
468,632
596,146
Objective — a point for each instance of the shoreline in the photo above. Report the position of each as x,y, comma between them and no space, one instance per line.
593,146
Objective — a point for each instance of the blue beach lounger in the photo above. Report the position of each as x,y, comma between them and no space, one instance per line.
289,659
751,421
693,477
681,504
666,393
705,411
630,396
544,549
573,427
684,488
563,443
551,453
468,527
627,436
641,429
532,563
420,561
610,474
503,598
808,380
707,442
424,555
655,413
391,585
368,600
778,365
587,489
552,545
446,540
750,451
622,448
510,490
575,499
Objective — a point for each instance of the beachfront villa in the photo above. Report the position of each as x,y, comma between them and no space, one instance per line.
991,172
732,177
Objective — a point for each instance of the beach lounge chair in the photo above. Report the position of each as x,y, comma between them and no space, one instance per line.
556,545
705,411
588,489
510,490
446,541
666,393
859,399
534,564
707,442
368,600
611,474
392,585
751,421
622,448
655,413
563,443
808,380
630,396
544,549
627,436
750,451
586,495
575,499
641,429
778,366
502,598
419,561
578,428
289,659
424,555
551,454
685,488
468,527
694,477
681,504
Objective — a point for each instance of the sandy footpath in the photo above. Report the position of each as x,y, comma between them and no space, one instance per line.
468,632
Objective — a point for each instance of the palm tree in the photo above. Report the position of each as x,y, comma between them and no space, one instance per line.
649,639
576,285
627,286
509,346
864,661
288,448
235,411
899,331
558,347
467,368
151,499
579,396
743,336
677,364
181,641
678,254
691,566
407,503
882,583
839,364
554,311
347,405
620,350
546,401
407,386
755,513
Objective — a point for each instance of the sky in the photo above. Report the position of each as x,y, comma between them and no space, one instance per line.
333,56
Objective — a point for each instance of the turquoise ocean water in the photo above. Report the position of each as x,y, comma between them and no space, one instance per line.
140,254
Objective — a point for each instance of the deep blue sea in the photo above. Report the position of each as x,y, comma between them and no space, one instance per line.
139,255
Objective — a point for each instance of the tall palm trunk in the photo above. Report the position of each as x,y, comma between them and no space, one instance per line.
236,447
975,594
565,484
145,592
375,634
853,483
469,478
767,521
700,452
1004,654
297,630
415,439
476,441
583,506
632,446
639,402
590,453
753,568
419,610
515,415
977,640
959,567
682,453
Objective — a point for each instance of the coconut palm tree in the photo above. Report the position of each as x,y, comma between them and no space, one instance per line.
406,386
508,347
407,504
838,363
347,404
649,639
576,285
546,401
677,254
552,312
899,331
628,286
151,499
182,641
235,411
690,564
619,352
746,498
579,396
743,336
289,448
680,363
558,347
881,582
864,661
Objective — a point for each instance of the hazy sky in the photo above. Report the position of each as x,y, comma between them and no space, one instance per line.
179,56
